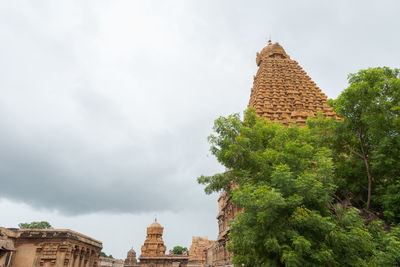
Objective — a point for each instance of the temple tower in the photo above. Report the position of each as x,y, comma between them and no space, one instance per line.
130,260
153,250
154,244
282,91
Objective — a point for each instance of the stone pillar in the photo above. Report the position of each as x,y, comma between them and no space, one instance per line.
60,255
91,258
77,256
71,258
68,257
80,258
86,258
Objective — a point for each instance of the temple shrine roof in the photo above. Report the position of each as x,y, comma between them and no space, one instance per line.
155,224
282,91
154,244
131,252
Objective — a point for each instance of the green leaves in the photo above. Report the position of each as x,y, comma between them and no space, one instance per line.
285,179
179,250
35,225
366,144
252,149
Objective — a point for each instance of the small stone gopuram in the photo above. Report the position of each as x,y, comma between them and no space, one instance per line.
282,92
130,260
153,250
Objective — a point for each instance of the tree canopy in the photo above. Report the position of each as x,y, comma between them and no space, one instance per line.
179,250
103,254
35,225
369,137
305,191
366,144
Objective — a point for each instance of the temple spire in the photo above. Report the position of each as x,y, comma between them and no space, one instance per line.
154,244
282,91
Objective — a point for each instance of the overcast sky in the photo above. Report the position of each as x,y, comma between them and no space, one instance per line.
106,106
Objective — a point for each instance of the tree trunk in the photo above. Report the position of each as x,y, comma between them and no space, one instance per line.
365,158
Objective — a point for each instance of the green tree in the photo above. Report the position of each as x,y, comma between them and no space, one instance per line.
179,250
102,254
370,131
366,144
284,180
35,225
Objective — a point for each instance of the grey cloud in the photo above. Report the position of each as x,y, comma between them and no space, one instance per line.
73,177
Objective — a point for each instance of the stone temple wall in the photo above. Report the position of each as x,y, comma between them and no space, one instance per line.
197,253
52,248
108,262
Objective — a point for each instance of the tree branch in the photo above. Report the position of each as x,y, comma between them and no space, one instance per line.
352,150
337,198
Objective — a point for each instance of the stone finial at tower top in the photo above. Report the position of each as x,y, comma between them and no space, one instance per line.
271,51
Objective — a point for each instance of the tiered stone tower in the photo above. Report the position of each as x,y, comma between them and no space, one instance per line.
282,91
153,250
130,260
154,244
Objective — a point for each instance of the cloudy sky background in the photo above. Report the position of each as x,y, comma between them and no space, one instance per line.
106,105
